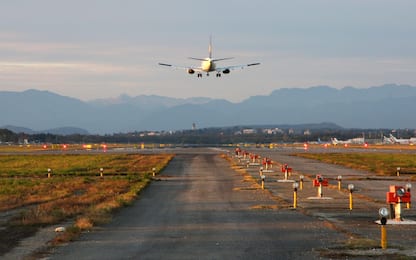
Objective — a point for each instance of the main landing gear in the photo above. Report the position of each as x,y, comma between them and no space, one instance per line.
199,75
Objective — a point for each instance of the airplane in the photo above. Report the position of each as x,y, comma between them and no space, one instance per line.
209,65
395,140
387,140
358,140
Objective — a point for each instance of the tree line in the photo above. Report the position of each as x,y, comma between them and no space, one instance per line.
208,136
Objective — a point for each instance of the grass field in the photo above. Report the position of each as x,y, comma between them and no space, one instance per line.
379,163
75,190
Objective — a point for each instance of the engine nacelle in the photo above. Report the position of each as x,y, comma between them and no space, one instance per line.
191,71
226,71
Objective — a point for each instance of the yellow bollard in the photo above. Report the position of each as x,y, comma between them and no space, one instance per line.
49,172
263,177
295,194
301,182
351,189
295,199
383,237
101,172
339,178
383,212
408,187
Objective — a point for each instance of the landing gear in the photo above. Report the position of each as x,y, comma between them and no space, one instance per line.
199,75
218,75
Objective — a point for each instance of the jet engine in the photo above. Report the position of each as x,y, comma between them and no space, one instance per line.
191,71
226,71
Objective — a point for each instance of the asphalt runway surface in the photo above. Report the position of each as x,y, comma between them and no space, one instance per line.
201,208
369,196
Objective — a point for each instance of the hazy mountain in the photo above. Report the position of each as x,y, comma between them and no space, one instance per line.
388,106
57,131
150,101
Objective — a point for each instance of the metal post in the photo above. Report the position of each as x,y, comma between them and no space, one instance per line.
408,187
295,194
320,194
301,182
351,189
339,178
383,237
398,210
295,199
383,212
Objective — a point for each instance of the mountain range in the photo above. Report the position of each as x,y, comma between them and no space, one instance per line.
388,106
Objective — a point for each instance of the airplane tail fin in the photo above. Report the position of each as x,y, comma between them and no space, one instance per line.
210,54
210,47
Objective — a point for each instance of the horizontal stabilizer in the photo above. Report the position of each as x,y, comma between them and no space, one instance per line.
223,59
253,64
197,59
164,64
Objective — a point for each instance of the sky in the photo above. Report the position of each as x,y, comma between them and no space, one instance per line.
90,49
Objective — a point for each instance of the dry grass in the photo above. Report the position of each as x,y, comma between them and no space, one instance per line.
78,194
380,163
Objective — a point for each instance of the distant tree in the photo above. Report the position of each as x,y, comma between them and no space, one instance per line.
8,136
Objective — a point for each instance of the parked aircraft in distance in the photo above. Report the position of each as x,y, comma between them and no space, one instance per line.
395,140
208,65
387,140
358,140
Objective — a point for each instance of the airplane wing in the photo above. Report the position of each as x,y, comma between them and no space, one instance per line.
189,70
234,67
199,69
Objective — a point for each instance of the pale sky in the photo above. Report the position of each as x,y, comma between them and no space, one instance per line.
91,49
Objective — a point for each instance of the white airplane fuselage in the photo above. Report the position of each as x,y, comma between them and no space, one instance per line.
207,65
